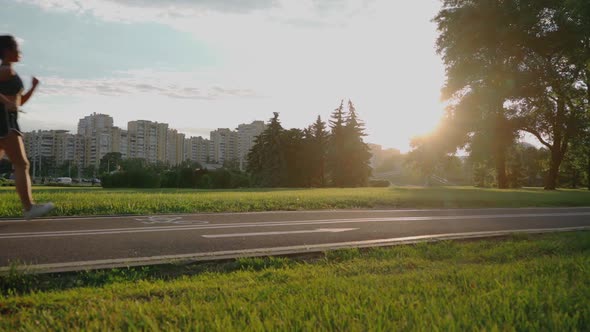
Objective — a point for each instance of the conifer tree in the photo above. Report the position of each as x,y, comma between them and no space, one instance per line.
318,150
266,161
357,163
336,154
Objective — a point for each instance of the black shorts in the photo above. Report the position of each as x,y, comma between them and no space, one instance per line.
8,122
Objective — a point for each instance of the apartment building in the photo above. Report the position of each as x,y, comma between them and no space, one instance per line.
247,134
197,149
97,130
175,147
147,140
121,142
224,145
54,148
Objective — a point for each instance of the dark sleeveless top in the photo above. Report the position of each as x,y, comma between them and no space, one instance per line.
8,120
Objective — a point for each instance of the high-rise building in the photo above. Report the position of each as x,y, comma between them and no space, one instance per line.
90,124
147,140
69,148
40,147
120,142
161,141
175,147
97,131
247,134
225,145
53,148
197,149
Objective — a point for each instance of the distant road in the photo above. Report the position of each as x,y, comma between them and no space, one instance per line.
66,244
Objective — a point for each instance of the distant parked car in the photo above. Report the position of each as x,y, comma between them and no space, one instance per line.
64,180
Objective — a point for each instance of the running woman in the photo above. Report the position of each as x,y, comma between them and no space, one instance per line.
11,138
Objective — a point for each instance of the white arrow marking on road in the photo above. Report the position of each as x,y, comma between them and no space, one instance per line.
319,230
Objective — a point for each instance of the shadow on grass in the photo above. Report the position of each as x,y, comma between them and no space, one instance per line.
503,250
21,280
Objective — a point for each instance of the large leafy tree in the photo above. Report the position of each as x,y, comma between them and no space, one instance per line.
526,62
479,45
110,162
555,106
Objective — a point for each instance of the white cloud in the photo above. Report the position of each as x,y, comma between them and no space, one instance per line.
302,56
165,10
130,86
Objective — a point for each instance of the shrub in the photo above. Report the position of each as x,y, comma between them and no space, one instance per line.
135,178
379,183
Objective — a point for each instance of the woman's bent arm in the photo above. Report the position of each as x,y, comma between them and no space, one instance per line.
28,95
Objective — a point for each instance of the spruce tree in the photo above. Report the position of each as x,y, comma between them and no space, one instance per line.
266,161
358,156
318,150
294,173
336,143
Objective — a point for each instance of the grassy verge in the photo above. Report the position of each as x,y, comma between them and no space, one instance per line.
97,201
519,283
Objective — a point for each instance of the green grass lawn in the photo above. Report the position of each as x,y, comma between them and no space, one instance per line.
98,201
523,283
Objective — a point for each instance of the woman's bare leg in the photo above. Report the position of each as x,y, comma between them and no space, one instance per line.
15,149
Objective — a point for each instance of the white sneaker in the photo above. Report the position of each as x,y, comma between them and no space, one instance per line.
38,210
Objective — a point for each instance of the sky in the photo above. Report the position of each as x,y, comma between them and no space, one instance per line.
205,64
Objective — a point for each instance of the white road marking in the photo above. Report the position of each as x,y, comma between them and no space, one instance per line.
152,220
127,230
319,230
158,219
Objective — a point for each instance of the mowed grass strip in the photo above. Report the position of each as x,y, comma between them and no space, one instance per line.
98,201
523,283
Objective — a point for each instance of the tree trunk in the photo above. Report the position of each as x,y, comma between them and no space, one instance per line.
551,182
556,158
502,139
588,171
501,177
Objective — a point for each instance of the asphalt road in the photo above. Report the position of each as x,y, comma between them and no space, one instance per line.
66,244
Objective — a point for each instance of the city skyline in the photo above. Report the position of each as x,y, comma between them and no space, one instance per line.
153,141
147,120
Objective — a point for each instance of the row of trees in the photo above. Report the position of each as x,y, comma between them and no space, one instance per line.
513,67
526,166
314,156
317,156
